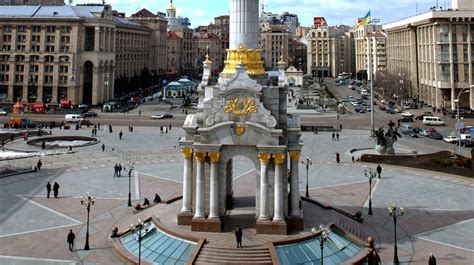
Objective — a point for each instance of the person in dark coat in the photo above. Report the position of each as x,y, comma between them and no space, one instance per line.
70,240
120,135
55,189
379,170
338,159
39,165
146,202
432,259
337,136
333,136
48,189
157,198
238,236
103,147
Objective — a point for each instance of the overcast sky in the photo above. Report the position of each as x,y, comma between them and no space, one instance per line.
201,12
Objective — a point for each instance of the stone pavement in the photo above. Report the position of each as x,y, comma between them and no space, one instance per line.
439,218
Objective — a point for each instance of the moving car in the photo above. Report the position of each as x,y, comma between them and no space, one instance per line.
433,120
451,139
161,116
425,114
3,112
435,135
89,114
427,131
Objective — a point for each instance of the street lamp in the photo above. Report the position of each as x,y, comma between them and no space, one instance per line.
130,169
370,176
324,235
464,90
87,201
137,231
307,162
392,210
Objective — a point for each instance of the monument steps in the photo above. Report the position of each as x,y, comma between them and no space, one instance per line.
221,255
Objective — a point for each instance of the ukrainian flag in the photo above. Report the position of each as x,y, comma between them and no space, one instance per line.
364,20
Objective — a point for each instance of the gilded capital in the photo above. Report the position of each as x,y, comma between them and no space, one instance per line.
278,158
200,156
295,155
187,152
215,156
264,158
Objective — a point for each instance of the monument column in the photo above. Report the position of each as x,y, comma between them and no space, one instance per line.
278,187
264,159
294,183
187,178
214,189
200,157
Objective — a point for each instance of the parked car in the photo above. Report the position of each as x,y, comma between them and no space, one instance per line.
161,116
382,107
410,133
433,120
3,112
390,111
451,139
427,131
435,135
465,143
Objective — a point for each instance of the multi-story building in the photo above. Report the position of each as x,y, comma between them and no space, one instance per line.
370,48
436,50
175,43
210,44
297,54
175,23
31,2
75,52
158,38
274,45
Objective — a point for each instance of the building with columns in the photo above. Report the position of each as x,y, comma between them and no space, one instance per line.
436,50
241,115
274,42
74,52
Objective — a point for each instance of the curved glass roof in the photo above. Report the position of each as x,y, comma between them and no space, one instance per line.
337,249
159,247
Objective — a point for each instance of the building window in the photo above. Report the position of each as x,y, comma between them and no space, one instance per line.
21,28
49,48
48,79
50,29
466,73
48,68
7,28
33,79
19,58
4,58
34,68
445,73
444,33
3,78
65,29
49,58
63,69
34,58
4,67
35,38
49,39
19,78
21,38
20,48
36,28
7,38
89,39
65,39
19,68
62,79
35,48
64,59
64,48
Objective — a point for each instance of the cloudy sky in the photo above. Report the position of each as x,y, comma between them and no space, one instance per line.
201,12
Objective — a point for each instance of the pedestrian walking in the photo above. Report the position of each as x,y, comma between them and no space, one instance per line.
337,136
48,189
131,128
120,135
340,127
338,158
238,236
379,170
139,112
103,147
333,136
161,129
98,126
43,145
170,127
116,170
55,189
120,169
431,259
70,240
39,165
110,128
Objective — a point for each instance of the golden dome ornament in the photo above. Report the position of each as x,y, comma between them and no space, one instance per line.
239,129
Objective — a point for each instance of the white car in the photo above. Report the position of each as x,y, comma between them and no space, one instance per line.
161,116
451,139
3,112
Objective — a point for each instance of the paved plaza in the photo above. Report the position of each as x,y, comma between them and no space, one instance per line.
439,208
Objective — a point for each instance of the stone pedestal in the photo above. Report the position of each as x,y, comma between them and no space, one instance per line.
271,227
207,225
185,218
295,223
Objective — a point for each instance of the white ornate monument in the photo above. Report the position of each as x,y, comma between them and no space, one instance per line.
242,115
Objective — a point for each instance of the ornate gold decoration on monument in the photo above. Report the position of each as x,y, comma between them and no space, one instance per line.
251,58
239,129
240,106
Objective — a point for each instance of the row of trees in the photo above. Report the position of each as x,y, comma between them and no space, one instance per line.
396,86
146,78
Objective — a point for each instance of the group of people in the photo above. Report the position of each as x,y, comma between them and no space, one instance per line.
335,136
55,189
164,129
118,170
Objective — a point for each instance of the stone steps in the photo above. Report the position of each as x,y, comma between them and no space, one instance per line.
221,255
